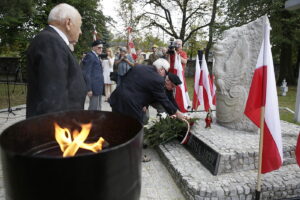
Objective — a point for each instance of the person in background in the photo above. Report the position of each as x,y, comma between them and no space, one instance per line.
154,56
55,80
164,52
108,64
140,58
93,72
124,62
181,53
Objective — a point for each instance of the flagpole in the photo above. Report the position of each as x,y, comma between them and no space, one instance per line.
258,186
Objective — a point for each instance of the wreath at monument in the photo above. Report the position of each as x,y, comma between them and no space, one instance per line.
165,129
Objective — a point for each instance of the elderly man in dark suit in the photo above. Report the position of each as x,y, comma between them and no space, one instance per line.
55,80
141,86
93,73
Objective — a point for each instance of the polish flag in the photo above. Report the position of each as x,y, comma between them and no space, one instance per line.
297,151
213,89
202,84
263,93
181,95
198,89
95,34
131,47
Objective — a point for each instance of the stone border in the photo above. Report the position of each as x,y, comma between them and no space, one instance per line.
197,183
239,149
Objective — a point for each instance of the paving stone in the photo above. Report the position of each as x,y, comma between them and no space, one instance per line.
239,185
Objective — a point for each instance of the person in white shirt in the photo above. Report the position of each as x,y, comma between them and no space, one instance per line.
108,65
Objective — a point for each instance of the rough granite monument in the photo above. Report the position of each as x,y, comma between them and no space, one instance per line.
235,60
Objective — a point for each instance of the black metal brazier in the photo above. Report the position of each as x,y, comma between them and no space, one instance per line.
112,174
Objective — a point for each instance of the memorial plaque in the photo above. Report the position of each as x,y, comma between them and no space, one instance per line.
204,153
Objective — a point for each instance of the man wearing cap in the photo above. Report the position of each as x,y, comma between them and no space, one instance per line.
93,74
55,80
142,86
124,62
171,81
154,56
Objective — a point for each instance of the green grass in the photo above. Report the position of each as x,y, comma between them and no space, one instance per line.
17,95
284,101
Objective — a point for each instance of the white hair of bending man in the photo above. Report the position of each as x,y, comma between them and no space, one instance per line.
67,19
162,66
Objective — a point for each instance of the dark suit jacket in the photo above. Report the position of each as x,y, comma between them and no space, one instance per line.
93,72
170,95
55,80
141,86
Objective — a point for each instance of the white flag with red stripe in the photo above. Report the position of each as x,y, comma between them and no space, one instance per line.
198,89
131,47
205,82
181,95
263,92
213,89
202,85
94,34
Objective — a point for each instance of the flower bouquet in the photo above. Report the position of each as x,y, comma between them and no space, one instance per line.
167,128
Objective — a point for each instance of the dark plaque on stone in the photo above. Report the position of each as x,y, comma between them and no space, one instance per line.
204,153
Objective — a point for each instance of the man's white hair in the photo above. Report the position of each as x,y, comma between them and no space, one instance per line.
61,12
162,63
178,40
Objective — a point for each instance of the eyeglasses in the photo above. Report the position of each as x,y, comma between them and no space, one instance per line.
99,47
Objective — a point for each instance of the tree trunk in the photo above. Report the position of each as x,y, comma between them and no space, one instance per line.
211,31
285,69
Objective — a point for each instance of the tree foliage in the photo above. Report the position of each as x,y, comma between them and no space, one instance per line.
13,17
22,20
284,35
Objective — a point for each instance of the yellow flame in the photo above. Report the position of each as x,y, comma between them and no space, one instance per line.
69,147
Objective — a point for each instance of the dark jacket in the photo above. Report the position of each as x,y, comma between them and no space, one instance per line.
170,95
55,80
93,73
141,86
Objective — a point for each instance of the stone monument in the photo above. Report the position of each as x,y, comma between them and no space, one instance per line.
228,152
235,60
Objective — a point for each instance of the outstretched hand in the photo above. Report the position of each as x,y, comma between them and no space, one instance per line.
180,115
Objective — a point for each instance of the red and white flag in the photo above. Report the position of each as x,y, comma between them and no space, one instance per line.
181,95
202,85
198,90
263,92
94,34
297,151
213,89
131,47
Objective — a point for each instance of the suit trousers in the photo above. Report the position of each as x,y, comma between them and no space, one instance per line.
95,102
